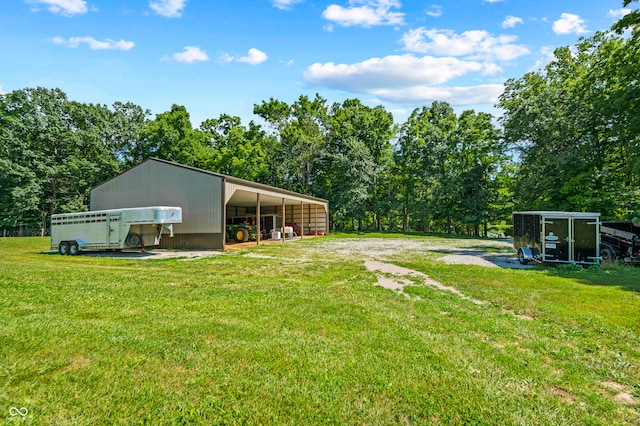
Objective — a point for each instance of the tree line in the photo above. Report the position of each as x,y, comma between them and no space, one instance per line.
569,139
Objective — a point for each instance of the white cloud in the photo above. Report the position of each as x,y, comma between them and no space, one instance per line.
407,79
63,7
94,44
285,4
569,24
618,13
511,21
435,11
190,55
390,72
254,57
168,8
456,96
491,1
365,13
475,44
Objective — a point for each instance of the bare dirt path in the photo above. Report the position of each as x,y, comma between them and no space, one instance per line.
375,253
399,280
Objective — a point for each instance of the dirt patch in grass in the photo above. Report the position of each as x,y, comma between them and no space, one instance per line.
399,279
622,393
563,395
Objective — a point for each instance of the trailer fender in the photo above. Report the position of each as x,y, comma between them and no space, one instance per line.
525,254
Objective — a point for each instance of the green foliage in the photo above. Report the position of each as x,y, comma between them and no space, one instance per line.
53,152
577,129
454,169
234,150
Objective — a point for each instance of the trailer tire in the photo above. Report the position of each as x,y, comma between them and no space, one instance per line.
607,257
73,248
63,248
133,240
521,258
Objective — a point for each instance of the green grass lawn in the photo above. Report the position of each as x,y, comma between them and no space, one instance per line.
299,334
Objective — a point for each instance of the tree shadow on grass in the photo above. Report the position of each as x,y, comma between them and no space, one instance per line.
623,276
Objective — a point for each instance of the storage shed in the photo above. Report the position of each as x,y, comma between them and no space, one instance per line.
209,202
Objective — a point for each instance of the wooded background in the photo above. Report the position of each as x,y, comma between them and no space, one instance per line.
568,139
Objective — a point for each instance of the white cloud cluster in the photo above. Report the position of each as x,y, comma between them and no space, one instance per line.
168,8
404,78
365,13
63,7
254,57
285,4
94,44
411,78
474,44
511,21
570,24
190,55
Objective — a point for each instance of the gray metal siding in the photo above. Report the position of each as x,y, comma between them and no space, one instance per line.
154,183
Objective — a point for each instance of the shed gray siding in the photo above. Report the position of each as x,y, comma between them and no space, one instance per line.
155,183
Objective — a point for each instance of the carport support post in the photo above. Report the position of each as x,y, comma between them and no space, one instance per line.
283,221
302,219
258,221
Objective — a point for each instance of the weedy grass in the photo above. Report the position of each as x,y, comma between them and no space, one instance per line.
299,334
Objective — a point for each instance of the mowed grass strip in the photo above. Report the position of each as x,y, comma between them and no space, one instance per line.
289,334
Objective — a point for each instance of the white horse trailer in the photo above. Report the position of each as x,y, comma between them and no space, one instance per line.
112,229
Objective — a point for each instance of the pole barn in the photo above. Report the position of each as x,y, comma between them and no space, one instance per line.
209,202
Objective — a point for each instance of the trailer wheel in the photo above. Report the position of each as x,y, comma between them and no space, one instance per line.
241,235
63,248
607,256
521,258
133,240
73,248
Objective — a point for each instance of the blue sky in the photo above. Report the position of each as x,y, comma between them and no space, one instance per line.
222,57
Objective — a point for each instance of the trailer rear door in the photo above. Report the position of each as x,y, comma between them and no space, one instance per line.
586,234
555,247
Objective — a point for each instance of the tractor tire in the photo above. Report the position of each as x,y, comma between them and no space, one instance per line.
241,235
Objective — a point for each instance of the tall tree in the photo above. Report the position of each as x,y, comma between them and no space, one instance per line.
170,136
575,125
300,131
233,149
360,149
53,152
